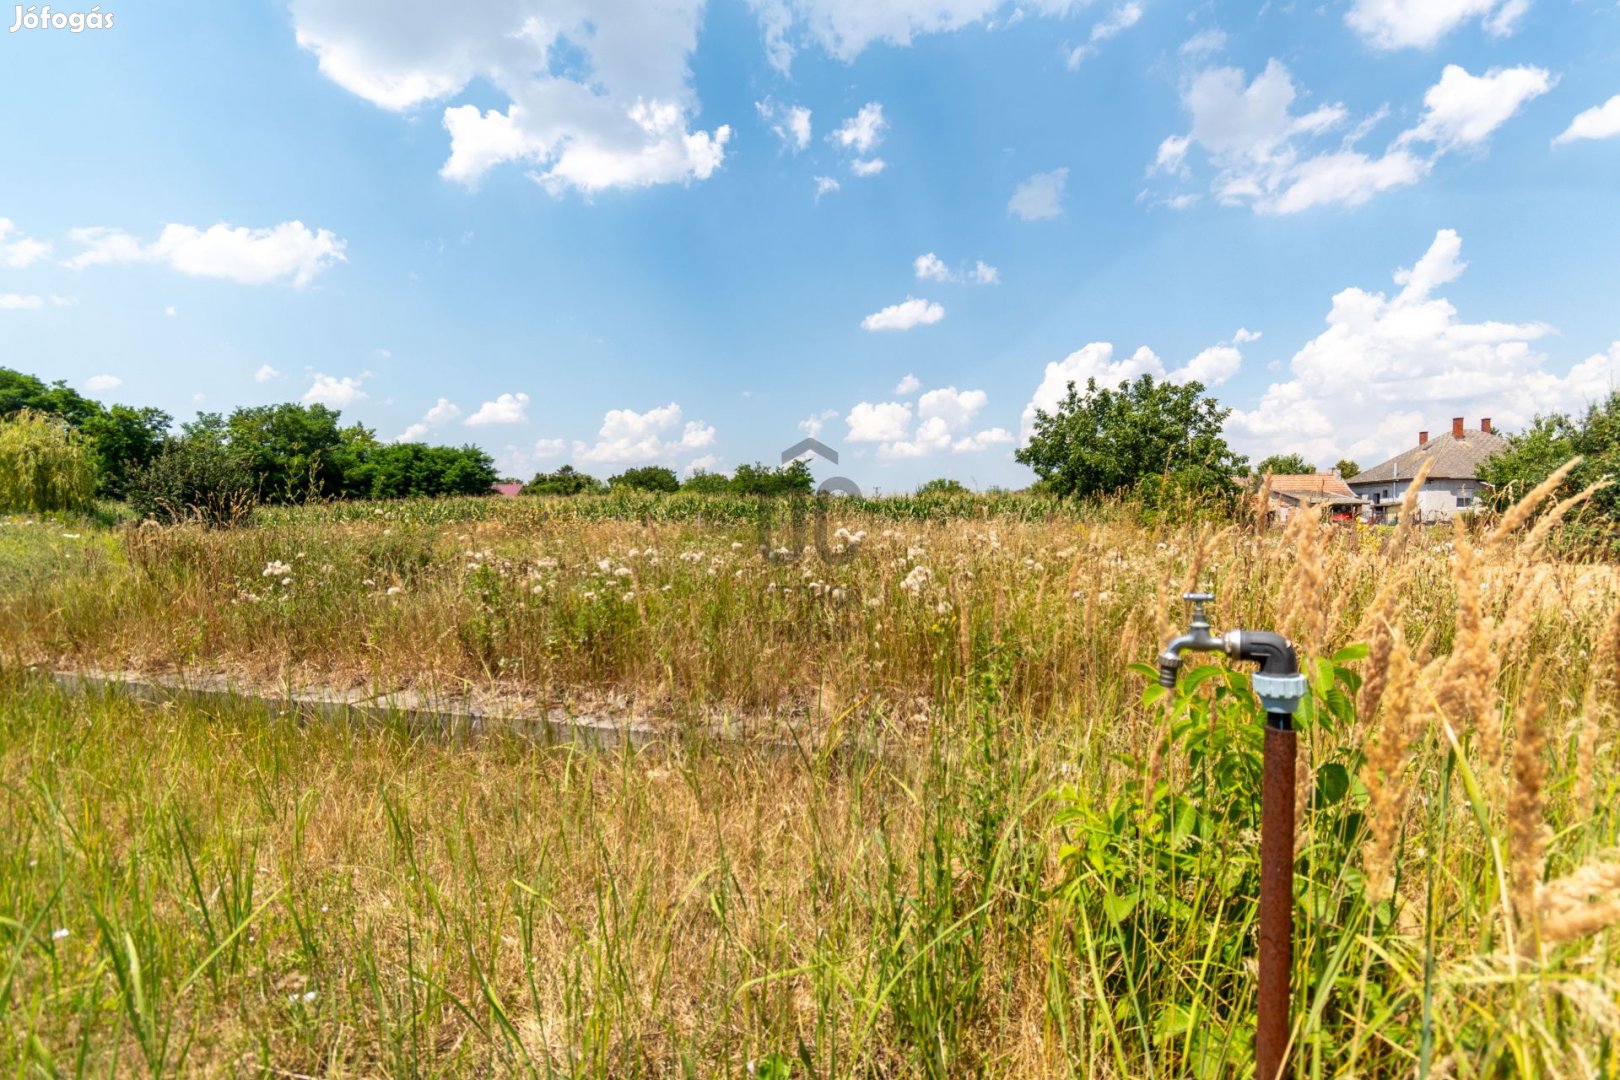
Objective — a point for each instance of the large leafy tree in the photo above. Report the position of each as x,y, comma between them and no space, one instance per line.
794,478
566,480
1284,465
1533,455
120,439
1104,441
647,478
295,452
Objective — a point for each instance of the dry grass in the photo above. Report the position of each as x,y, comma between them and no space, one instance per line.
260,895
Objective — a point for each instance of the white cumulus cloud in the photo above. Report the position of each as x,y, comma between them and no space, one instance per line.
908,313
884,421
944,424
18,251
655,436
506,409
1390,365
598,93
265,374
910,384
20,302
1463,109
1598,122
338,393
930,267
1265,155
441,413
1420,24
96,383
1039,197
289,252
1211,367
791,125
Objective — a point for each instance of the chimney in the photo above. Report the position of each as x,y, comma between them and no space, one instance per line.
1423,438
1485,425
1456,427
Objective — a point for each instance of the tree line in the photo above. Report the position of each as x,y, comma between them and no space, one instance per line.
1158,442
216,466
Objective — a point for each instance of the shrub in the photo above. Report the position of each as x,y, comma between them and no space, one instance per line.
44,465
704,482
647,478
943,485
565,481
195,477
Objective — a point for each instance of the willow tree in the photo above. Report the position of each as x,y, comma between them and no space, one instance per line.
44,465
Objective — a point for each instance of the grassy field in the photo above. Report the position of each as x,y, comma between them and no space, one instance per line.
994,849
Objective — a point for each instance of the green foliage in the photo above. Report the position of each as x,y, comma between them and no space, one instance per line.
942,485
647,478
45,464
1284,465
1105,442
1535,453
1348,468
196,477
704,482
295,452
1170,867
404,470
793,478
121,439
565,481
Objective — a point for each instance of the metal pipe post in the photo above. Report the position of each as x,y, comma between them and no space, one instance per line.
1276,899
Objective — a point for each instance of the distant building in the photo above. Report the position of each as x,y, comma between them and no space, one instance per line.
1453,486
510,490
1292,491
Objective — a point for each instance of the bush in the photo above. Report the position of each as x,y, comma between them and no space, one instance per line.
647,478
194,478
943,485
44,465
565,481
704,482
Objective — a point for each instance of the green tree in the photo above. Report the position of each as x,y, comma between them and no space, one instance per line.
794,478
943,485
196,477
646,478
565,481
295,452
120,438
125,439
1106,441
44,464
704,482
1534,454
1347,468
1284,465
407,470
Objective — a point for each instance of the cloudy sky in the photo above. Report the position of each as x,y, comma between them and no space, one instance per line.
613,232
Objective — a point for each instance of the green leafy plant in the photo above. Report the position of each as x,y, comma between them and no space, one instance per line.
44,465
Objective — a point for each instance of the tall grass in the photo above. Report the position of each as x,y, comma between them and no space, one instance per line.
998,849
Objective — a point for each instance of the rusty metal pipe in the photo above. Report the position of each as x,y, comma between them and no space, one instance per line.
1279,686
1276,899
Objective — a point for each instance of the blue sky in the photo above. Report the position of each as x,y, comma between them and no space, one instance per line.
614,233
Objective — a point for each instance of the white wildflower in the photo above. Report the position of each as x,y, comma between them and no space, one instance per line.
59,933
916,580
276,568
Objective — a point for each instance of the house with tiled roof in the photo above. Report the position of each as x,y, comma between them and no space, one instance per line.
1288,492
1453,485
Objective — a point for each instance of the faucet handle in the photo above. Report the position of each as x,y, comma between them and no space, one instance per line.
1197,600
1198,597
